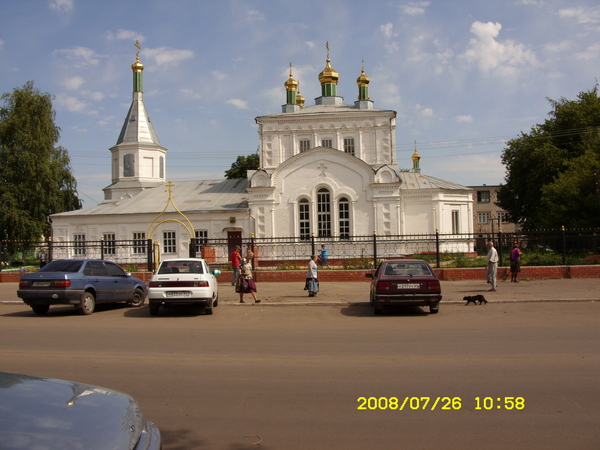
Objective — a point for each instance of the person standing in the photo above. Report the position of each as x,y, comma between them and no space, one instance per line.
236,257
312,281
42,257
245,283
492,265
515,263
324,256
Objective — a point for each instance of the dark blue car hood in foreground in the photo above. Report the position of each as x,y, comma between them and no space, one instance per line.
50,413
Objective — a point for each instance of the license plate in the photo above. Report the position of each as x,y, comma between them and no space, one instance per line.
41,283
179,294
409,286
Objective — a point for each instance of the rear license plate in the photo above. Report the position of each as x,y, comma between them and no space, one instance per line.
409,286
179,294
41,283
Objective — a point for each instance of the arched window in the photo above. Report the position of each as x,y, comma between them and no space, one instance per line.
324,212
128,167
304,216
344,218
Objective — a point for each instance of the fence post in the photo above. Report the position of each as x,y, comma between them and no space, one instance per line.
564,245
500,247
49,256
102,247
375,249
312,244
437,248
150,253
192,249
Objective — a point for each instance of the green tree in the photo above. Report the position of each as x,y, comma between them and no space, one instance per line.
35,175
239,169
550,172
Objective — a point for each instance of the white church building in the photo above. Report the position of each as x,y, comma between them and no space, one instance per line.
327,170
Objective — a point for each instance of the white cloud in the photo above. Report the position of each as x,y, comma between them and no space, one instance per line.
464,119
61,5
81,55
311,44
188,93
96,95
387,30
252,14
219,76
128,35
73,83
241,104
415,8
166,55
492,55
1,43
559,47
71,104
590,53
582,16
425,112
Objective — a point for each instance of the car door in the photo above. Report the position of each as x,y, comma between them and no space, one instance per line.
122,284
97,275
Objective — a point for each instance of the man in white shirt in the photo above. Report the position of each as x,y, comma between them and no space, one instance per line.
492,267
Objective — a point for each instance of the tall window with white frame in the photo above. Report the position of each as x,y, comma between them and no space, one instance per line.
349,146
79,244
455,221
344,218
304,216
108,244
169,242
201,239
483,217
139,243
324,212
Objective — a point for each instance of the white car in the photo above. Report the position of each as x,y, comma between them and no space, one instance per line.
183,281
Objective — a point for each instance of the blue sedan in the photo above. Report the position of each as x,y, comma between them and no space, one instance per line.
81,283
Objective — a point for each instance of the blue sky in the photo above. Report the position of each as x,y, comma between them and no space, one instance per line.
463,76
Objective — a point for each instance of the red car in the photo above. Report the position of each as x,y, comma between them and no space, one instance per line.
405,282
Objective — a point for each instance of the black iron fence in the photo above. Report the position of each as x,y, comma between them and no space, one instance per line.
553,247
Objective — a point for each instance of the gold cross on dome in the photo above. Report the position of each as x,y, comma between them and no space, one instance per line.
137,53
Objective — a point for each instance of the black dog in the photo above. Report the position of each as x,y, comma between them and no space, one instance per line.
475,298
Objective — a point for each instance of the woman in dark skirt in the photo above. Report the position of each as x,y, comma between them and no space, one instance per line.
244,283
312,282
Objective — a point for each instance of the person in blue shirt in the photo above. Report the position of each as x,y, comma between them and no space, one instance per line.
323,256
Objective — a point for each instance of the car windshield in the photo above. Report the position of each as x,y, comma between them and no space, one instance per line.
62,266
181,267
414,269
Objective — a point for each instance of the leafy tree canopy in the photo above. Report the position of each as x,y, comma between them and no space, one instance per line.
551,172
239,169
35,175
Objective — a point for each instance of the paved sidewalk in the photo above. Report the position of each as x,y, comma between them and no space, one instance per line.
579,289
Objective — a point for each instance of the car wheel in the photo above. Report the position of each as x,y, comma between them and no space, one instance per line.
87,304
154,309
434,309
216,302
40,310
208,309
138,299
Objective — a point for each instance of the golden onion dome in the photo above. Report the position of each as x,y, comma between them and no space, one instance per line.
363,79
137,66
328,75
299,98
291,84
416,157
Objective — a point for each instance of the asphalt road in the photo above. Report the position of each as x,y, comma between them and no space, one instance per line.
294,375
